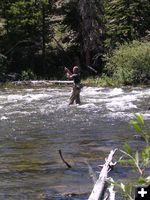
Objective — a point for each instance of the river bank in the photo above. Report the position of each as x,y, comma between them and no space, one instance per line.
89,82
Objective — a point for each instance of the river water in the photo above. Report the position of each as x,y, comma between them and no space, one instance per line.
36,123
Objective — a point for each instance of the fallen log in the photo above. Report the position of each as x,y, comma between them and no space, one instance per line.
101,184
41,82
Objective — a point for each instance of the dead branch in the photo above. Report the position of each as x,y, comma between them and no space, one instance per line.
61,156
100,185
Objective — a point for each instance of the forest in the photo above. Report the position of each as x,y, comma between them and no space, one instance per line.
105,38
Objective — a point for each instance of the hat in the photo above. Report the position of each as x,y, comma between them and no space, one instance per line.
75,68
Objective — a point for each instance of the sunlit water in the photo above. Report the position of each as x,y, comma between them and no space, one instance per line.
36,123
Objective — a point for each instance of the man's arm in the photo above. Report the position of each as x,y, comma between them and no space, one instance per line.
68,73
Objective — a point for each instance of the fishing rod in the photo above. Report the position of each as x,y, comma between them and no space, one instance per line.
92,69
68,58
67,70
60,47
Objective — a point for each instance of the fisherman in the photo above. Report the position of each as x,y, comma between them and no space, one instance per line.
75,76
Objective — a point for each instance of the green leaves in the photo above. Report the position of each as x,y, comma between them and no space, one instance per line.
146,156
139,118
138,122
126,190
139,126
136,126
139,160
128,20
130,63
127,148
143,181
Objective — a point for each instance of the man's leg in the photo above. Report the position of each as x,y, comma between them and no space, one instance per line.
78,96
72,97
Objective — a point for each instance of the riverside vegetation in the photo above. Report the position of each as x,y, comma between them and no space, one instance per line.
129,64
139,160
38,38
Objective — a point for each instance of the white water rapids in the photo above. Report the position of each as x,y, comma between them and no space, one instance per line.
111,103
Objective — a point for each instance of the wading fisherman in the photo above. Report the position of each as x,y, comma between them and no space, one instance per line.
75,76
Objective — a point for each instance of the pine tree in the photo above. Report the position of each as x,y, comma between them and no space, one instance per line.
27,32
126,20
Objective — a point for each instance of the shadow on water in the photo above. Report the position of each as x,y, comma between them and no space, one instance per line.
36,123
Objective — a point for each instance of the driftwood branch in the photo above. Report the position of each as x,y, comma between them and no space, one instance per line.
100,185
61,156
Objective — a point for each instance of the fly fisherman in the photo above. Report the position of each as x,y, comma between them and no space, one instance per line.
75,76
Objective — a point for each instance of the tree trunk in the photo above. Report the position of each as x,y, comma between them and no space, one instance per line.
91,12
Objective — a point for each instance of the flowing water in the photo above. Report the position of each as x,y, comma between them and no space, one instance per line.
36,123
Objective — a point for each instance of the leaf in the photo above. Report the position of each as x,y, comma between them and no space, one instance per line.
136,126
128,161
122,161
145,155
141,181
128,188
139,118
127,148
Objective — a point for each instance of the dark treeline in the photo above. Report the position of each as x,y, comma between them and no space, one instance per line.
39,37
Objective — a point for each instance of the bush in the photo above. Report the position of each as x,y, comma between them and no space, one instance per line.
28,75
130,63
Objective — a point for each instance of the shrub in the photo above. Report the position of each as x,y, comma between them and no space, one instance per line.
130,63
28,75
139,160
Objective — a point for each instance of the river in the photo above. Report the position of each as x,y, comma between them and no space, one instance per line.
36,123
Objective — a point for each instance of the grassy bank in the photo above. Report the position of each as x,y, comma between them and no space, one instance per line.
106,81
101,82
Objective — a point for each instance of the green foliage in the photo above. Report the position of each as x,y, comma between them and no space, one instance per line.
126,21
28,75
27,29
139,160
25,17
130,63
103,81
139,126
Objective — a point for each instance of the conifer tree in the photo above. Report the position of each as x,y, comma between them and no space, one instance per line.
126,20
27,31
